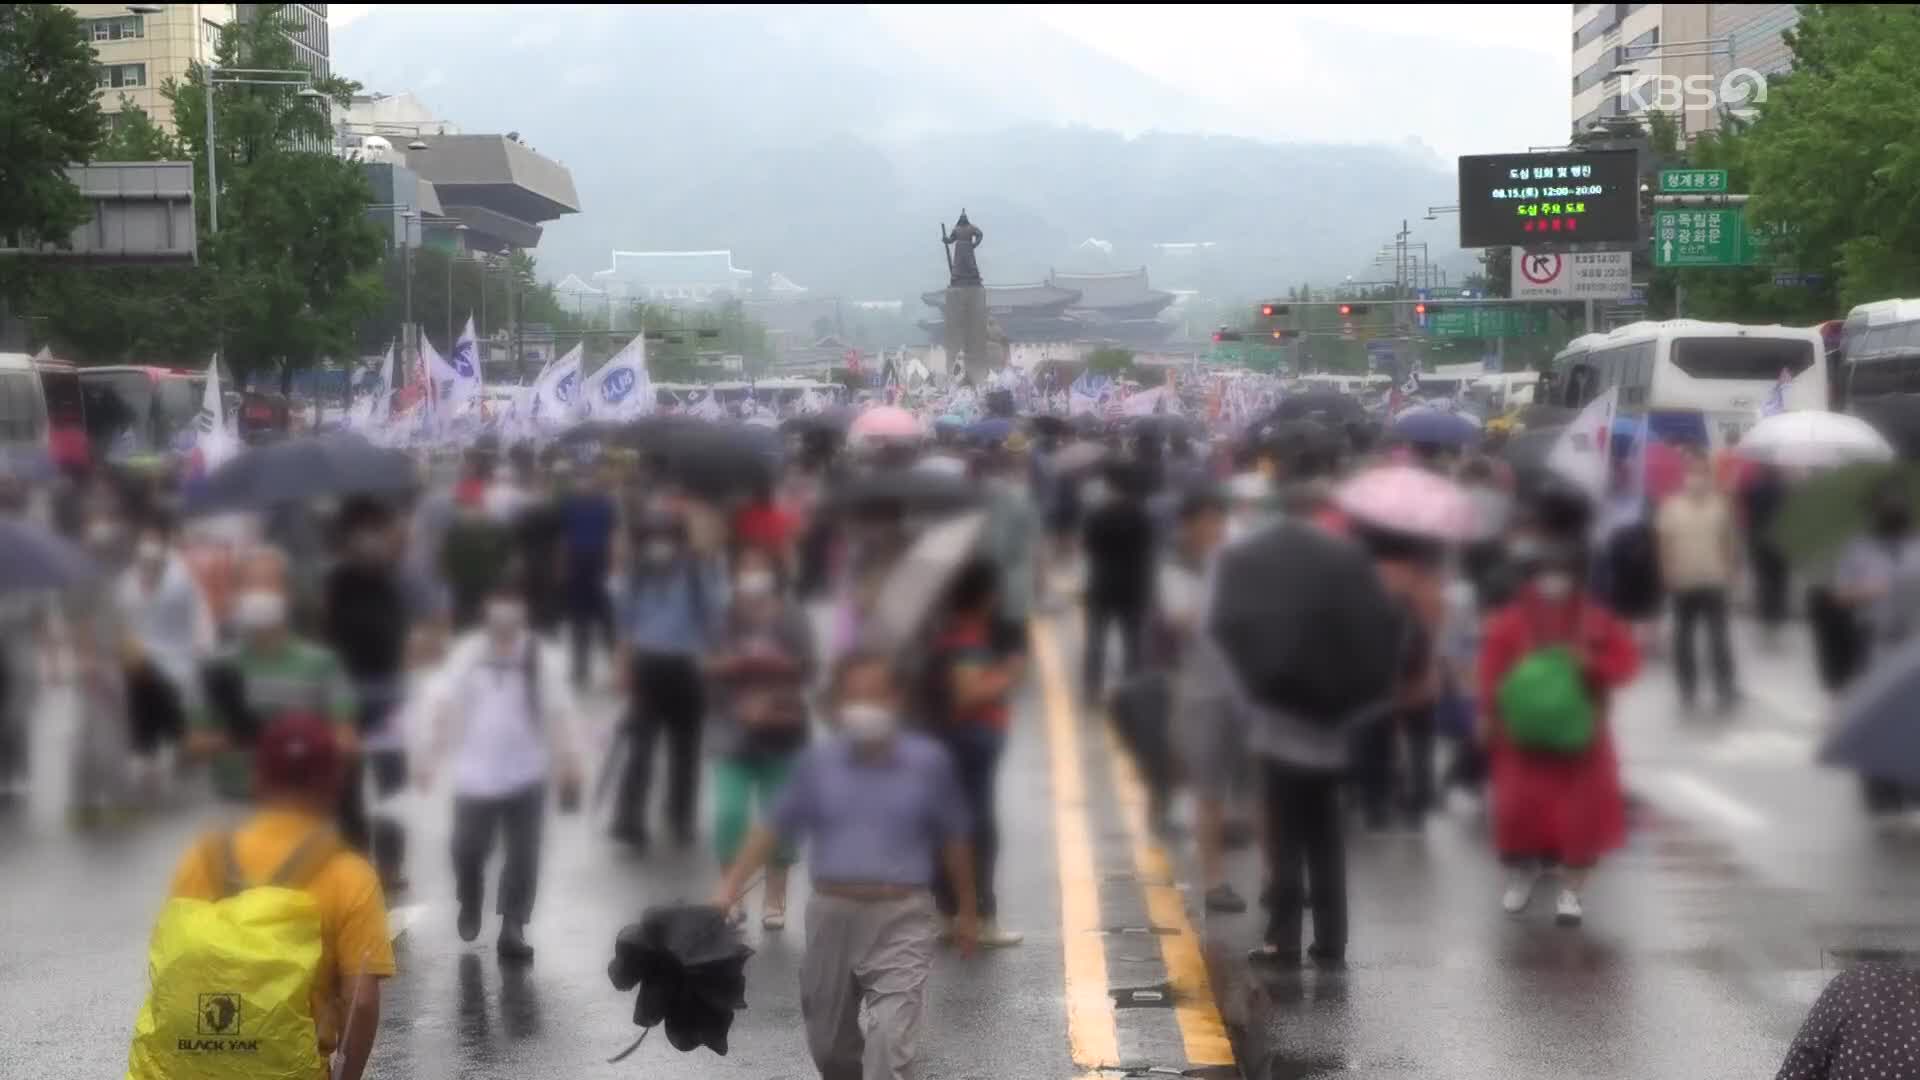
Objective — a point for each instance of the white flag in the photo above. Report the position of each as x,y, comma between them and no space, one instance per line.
456,379
214,440
1582,453
620,389
371,409
555,391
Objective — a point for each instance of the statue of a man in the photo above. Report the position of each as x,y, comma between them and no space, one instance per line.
960,261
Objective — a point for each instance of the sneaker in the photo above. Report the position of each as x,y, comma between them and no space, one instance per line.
1520,886
1222,900
469,923
513,947
1567,912
994,936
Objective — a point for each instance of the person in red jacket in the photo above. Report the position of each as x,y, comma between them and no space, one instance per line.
1555,810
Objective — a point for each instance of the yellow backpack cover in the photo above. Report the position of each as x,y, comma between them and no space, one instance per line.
232,979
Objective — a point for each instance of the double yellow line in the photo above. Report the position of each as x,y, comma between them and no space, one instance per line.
1091,1030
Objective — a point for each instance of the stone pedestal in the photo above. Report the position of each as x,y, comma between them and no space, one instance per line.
966,330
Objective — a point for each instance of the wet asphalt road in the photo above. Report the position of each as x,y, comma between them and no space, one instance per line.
1749,879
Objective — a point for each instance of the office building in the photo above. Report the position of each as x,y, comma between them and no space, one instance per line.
139,50
307,28
1629,59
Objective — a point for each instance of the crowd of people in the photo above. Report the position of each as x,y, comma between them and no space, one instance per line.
314,660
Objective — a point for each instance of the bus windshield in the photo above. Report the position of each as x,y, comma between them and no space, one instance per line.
178,405
1749,358
21,418
64,406
117,406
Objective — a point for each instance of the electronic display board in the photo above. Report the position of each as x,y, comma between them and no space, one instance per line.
1538,200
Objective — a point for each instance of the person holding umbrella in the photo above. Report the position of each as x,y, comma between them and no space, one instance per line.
1877,580
1550,660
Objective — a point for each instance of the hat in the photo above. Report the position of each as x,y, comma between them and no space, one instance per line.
297,752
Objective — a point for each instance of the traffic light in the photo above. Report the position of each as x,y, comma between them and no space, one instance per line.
1224,334
1270,310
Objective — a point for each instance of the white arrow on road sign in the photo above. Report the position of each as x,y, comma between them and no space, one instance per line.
1667,251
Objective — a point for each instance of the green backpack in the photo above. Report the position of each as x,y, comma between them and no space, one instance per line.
1544,702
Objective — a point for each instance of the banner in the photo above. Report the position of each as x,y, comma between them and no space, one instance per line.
456,379
620,389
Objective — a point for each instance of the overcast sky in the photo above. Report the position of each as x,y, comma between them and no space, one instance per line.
1270,65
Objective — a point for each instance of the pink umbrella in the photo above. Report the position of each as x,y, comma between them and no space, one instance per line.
1408,499
886,422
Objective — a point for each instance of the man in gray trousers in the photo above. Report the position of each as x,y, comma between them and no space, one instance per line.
876,806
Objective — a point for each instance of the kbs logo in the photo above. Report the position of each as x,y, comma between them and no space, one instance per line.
1740,92
618,385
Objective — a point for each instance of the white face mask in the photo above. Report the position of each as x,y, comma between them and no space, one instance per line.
661,551
506,617
103,533
151,552
867,723
1554,584
259,609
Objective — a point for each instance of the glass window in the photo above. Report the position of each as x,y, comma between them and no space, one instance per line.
177,404
62,389
120,28
117,404
122,75
20,418
1741,357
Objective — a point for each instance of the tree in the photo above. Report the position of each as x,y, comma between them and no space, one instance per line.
48,119
296,263
1111,361
133,136
1830,157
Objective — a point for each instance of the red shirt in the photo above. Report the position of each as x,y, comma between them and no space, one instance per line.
764,525
969,641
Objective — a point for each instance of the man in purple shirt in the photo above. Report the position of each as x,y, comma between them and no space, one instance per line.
877,806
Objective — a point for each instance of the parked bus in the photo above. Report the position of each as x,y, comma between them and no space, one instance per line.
134,410
1698,383
23,406
66,411
1880,350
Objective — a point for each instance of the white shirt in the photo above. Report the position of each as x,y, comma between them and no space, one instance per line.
501,751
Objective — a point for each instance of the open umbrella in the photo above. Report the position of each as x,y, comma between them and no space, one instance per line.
302,469
1323,405
1813,439
716,460
914,490
1079,456
886,422
1408,499
994,429
1050,425
1304,622
913,588
1434,427
691,968
1823,513
833,421
38,560
1873,732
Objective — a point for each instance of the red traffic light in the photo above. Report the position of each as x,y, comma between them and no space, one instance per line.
1216,337
1266,311
1346,310
1420,308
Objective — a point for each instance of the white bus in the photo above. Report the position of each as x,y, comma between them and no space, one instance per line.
23,405
1699,383
1345,384
1880,347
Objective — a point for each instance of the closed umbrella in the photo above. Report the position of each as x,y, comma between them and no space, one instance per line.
1411,500
1307,627
1873,732
691,968
1813,439
36,559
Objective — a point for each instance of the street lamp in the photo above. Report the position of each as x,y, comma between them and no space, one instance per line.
303,80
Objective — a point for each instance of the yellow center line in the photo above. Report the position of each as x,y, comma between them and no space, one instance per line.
1194,1008
1092,1036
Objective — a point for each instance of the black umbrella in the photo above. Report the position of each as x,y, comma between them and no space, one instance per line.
1306,625
715,460
37,559
1162,427
691,968
301,469
1050,425
1526,453
1322,405
912,490
834,421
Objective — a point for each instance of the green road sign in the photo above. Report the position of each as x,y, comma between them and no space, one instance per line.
1718,237
1688,181
1486,322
